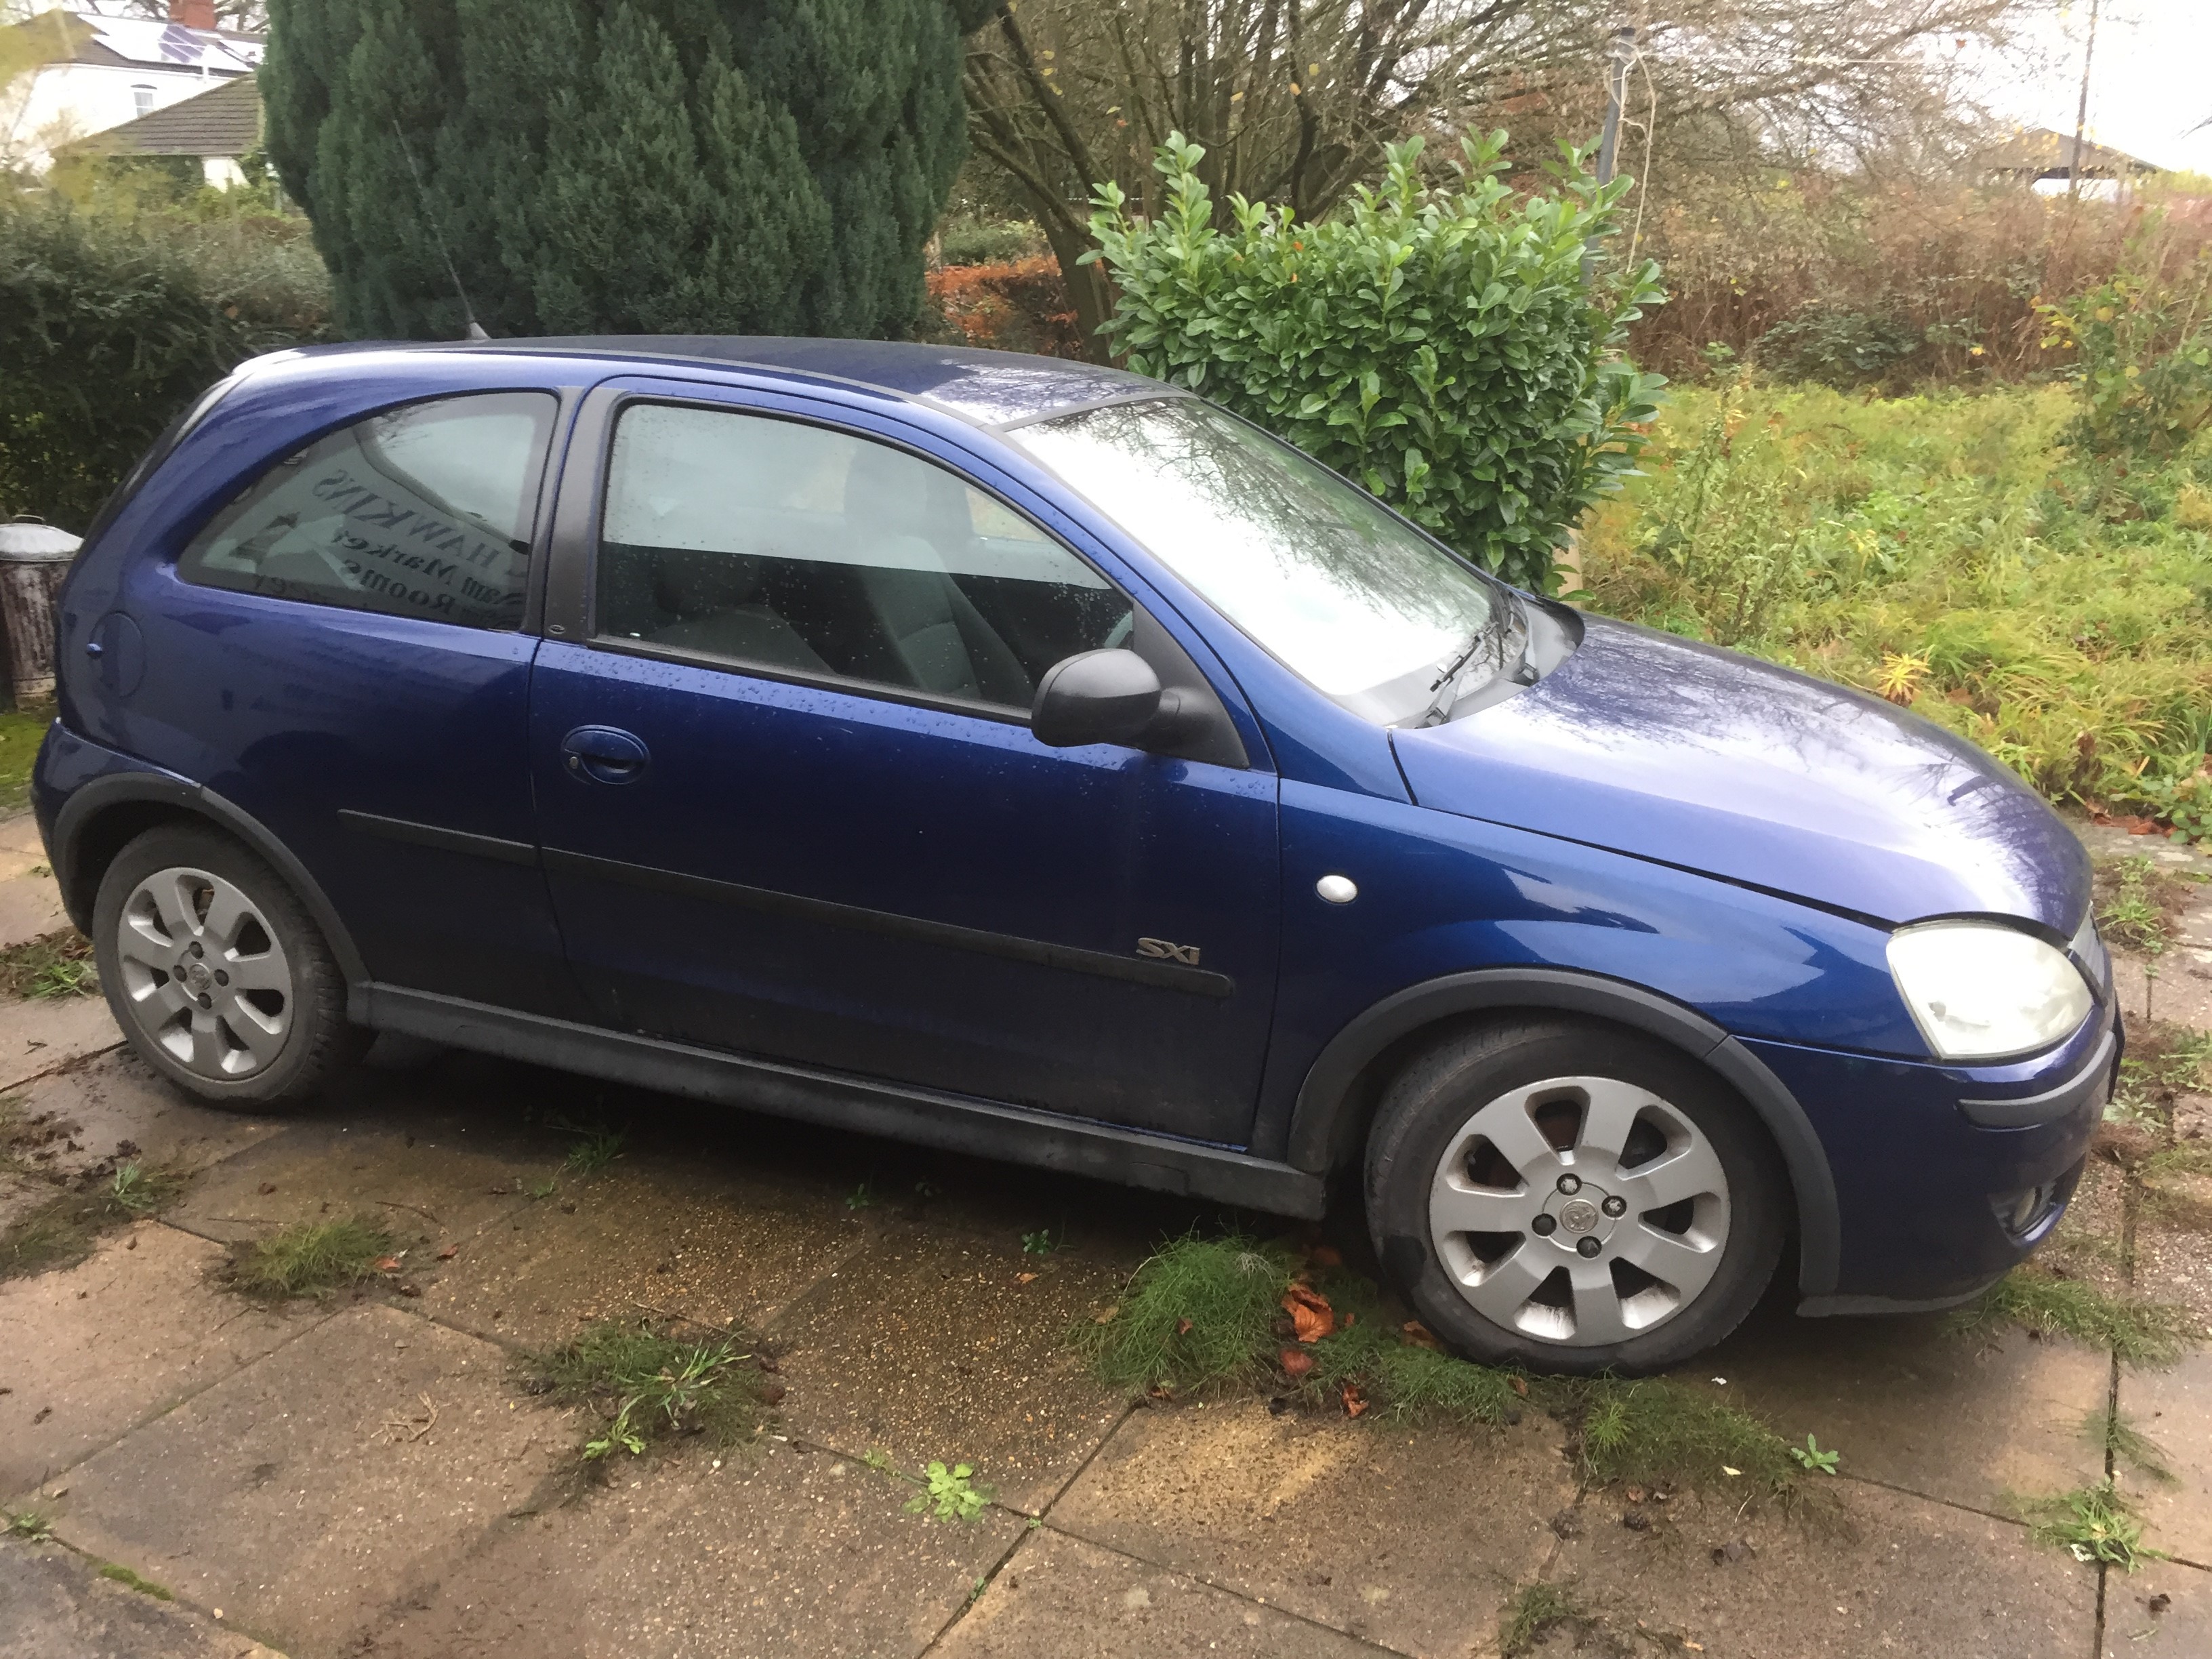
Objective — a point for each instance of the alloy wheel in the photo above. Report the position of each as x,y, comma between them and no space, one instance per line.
1580,1210
203,974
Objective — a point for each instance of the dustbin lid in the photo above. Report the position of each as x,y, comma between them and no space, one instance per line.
33,541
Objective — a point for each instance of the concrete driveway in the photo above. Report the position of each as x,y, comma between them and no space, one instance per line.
364,1475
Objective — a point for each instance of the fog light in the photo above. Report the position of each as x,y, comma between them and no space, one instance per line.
2021,1212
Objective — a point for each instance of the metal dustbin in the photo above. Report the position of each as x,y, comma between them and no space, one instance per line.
34,556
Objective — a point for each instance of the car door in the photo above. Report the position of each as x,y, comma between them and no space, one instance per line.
791,804
340,652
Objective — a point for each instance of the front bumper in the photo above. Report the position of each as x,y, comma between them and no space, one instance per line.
1946,1176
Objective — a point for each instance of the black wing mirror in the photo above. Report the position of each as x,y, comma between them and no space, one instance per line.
1099,696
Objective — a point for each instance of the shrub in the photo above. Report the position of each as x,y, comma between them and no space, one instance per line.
1837,347
1439,344
2143,352
110,325
1019,306
969,240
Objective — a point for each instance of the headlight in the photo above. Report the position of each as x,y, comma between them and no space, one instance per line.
1979,991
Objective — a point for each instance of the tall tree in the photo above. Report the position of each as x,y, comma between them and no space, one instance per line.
1294,100
598,165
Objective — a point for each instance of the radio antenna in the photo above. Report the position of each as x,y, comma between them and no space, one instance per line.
422,195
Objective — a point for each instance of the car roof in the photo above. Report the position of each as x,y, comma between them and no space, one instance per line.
984,388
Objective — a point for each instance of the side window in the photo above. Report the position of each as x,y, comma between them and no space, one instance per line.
425,511
770,543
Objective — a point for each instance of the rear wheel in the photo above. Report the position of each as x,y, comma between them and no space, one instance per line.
1572,1198
216,973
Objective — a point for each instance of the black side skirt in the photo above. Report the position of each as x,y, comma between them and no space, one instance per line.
954,1122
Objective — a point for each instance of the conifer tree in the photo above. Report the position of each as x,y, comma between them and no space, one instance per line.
619,166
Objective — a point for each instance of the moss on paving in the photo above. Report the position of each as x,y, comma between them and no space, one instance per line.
1534,1610
61,1231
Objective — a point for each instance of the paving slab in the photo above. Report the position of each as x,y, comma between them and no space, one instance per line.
1885,1573
59,1607
2162,1612
711,1244
38,1037
30,906
94,1350
2173,1406
1414,1538
1063,1595
20,849
2173,1244
953,1345
114,1107
297,1492
1968,1420
775,1552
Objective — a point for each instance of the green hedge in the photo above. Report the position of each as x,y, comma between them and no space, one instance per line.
1441,343
110,325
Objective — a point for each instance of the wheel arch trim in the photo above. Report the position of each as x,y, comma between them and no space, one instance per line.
1329,1104
93,800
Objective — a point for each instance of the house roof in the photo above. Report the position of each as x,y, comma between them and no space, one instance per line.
2039,153
150,43
223,121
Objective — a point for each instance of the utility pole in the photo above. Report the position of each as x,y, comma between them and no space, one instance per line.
2081,109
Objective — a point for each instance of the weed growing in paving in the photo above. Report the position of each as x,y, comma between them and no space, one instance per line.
647,1385
122,1575
2141,1333
55,964
860,1197
312,1258
30,1526
1534,1610
1041,1243
948,1494
1809,1456
1655,1431
2126,1444
2093,1523
141,1191
594,1151
2129,915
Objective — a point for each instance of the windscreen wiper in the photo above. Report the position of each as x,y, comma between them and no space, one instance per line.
1448,689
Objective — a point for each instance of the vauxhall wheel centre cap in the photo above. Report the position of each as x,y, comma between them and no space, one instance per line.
1578,1215
198,976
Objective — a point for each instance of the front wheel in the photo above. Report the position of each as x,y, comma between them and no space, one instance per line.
1572,1197
216,973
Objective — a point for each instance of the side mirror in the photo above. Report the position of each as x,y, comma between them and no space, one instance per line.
1099,696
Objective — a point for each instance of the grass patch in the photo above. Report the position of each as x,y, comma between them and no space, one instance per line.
2092,1524
646,1385
1654,1431
2133,906
1200,1314
593,1152
2142,1332
55,964
61,1231
122,1575
1944,551
312,1258
2122,1442
2191,1157
1208,1315
21,732
1534,1610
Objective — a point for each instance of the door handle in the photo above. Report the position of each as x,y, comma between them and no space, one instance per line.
605,754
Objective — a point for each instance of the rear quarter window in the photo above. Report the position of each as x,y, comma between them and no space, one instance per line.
425,511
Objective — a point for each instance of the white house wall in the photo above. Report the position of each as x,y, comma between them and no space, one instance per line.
75,100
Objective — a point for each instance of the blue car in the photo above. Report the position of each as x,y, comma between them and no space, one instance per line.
1031,759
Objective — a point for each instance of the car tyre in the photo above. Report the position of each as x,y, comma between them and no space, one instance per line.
1522,1237
219,977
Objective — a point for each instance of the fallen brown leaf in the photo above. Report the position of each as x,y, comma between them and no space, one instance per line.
1024,1278
1182,1327
1310,1315
449,1253
1107,1317
1296,1362
1420,1336
1354,1401
387,1264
